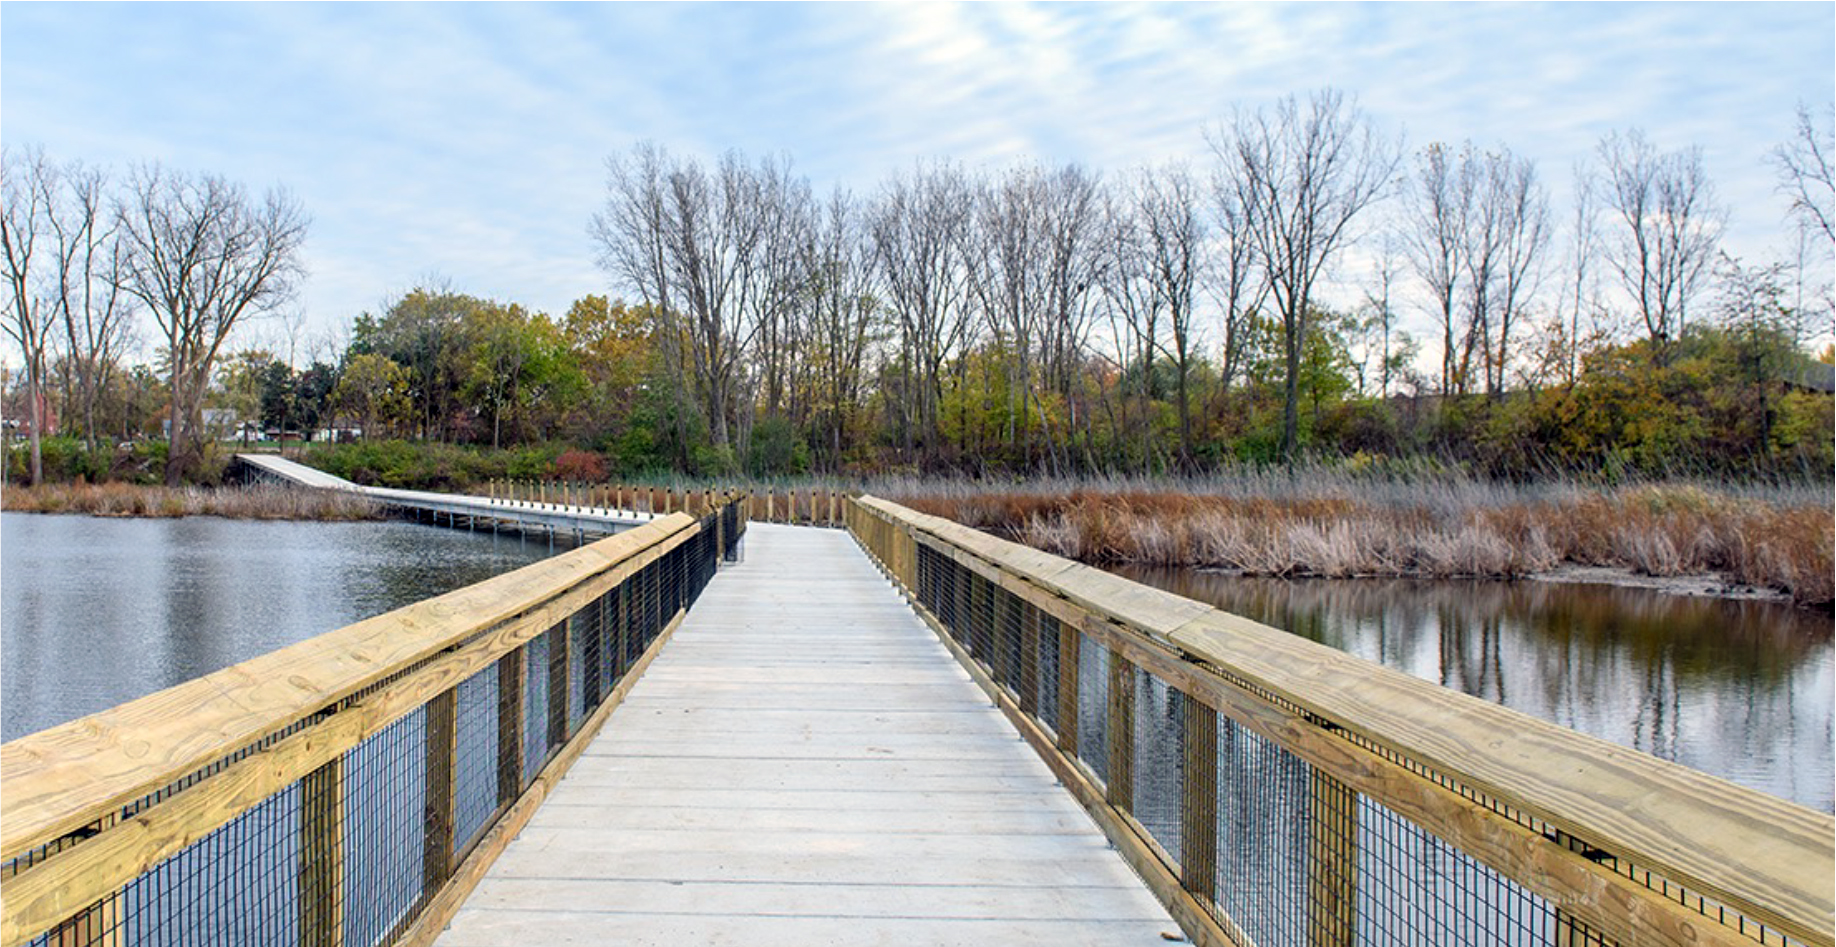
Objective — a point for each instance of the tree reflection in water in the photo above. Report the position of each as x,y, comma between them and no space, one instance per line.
1739,689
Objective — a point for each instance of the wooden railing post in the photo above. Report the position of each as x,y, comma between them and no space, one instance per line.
1069,642
1332,861
1198,833
437,814
1121,777
321,893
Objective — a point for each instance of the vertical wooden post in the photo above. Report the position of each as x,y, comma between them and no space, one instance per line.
437,810
510,725
1332,861
98,925
1198,831
1121,781
1570,932
321,893
1069,641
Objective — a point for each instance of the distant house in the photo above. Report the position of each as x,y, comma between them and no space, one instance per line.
19,417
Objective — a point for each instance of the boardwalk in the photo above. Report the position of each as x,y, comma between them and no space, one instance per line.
551,516
805,764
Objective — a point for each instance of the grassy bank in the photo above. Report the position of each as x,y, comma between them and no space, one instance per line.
1325,524
255,502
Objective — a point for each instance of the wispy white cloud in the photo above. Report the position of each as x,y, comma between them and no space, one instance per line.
468,139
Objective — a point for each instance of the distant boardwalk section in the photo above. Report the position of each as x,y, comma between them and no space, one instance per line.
557,517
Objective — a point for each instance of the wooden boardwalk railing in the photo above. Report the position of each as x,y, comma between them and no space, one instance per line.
342,790
1276,791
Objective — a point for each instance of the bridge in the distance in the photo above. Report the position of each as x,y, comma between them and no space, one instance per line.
455,508
907,732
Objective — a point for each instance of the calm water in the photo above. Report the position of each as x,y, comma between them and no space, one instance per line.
1742,690
95,611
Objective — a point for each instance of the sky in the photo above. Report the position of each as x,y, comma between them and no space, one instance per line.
466,143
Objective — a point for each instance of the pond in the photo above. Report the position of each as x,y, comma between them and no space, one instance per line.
1743,690
96,611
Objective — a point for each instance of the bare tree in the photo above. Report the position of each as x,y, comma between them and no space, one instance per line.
1173,236
1007,278
1133,306
841,318
1437,203
919,227
1239,283
89,298
28,185
1379,321
1582,287
1803,165
1668,227
1507,234
202,256
712,252
1302,173
631,232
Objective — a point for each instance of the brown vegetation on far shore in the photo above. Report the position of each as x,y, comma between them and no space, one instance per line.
1781,539
253,502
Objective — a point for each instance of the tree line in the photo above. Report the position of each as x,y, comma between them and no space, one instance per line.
1024,319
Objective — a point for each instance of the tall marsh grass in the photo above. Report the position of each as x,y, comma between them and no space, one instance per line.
1327,523
253,502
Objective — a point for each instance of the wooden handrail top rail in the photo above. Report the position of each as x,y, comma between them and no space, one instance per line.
1770,859
63,778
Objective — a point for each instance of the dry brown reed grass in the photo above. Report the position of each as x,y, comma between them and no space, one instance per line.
1337,527
254,502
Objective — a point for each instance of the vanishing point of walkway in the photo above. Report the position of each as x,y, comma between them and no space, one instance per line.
805,764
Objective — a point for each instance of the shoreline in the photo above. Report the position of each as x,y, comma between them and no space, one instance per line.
120,500
1701,585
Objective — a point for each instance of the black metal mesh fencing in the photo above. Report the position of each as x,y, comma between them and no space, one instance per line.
353,853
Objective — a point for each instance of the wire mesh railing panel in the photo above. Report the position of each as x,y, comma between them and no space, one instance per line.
1414,888
535,704
582,652
1045,660
1093,706
1159,761
384,800
475,757
1262,837
190,898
